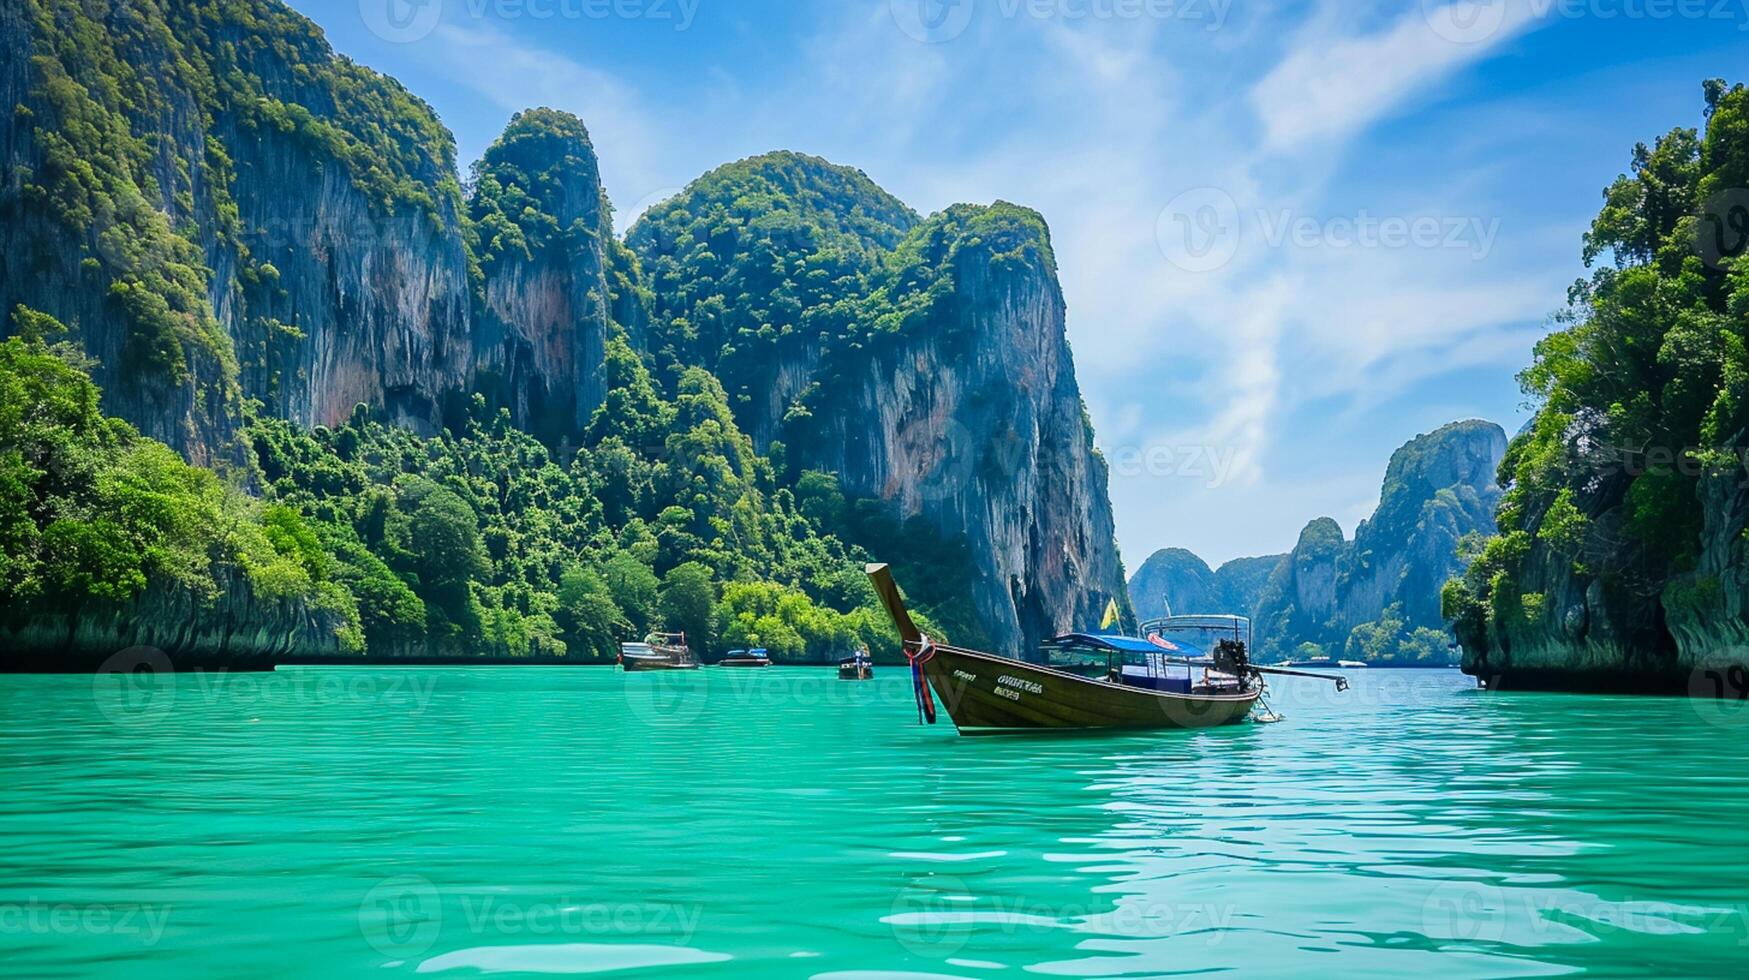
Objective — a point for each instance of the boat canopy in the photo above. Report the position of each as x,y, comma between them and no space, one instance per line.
1123,644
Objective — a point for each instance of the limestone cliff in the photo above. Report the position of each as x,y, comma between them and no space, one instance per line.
222,208
1386,582
962,408
235,629
545,234
1176,579
1622,553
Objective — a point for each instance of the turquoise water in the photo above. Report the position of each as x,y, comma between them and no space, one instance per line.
550,821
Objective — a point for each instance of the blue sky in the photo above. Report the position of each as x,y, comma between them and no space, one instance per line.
1292,236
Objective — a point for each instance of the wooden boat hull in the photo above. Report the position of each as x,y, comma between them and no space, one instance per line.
738,662
849,672
634,664
985,694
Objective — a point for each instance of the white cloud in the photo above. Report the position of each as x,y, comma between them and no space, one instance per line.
1333,85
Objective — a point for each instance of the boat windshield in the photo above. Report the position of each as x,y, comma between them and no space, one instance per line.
1127,655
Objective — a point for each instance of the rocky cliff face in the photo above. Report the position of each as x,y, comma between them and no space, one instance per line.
545,234
1620,562
969,416
756,268
1438,488
1177,580
222,210
237,629
264,219
1585,614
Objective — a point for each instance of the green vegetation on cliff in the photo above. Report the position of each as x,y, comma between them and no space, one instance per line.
1622,524
474,542
760,257
90,511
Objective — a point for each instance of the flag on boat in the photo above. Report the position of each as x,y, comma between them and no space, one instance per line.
1111,615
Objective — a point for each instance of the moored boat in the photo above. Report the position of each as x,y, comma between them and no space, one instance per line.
856,667
659,651
1145,684
756,657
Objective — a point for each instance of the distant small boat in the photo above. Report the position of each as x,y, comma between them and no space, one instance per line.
1318,662
1147,684
857,667
1350,664
659,651
756,657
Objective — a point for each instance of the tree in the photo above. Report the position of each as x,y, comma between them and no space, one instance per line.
688,604
634,588
441,536
593,624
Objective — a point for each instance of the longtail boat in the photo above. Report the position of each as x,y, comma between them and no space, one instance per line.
659,651
756,657
1145,684
859,666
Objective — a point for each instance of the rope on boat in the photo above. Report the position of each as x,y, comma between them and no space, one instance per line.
1268,715
920,687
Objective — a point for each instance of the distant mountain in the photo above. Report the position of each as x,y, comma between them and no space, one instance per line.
1174,580
1375,598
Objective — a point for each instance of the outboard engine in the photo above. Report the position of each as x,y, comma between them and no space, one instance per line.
1231,657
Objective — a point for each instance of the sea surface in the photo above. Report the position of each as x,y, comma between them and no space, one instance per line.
780,823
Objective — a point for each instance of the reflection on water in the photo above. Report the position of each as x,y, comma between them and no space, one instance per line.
779,822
